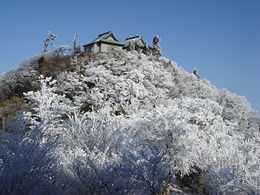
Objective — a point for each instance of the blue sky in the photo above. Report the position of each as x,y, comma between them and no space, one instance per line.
219,38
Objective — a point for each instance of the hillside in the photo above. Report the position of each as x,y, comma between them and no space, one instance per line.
122,122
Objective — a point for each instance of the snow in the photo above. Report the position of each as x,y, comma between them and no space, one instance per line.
127,123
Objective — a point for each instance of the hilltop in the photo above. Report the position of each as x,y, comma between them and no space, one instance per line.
123,122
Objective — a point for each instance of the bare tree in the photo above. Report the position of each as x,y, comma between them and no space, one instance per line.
48,40
76,47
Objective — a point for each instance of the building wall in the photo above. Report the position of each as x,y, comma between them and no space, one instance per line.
101,47
96,48
107,47
88,48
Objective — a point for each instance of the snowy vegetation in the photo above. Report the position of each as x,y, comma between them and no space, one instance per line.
22,78
128,123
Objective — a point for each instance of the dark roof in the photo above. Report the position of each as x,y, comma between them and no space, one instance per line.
137,36
108,32
102,39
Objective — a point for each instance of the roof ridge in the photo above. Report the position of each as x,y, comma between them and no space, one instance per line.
137,36
108,32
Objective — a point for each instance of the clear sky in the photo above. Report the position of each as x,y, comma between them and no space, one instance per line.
219,38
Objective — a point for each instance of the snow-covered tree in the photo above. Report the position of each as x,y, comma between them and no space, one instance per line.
129,123
27,163
46,106
48,41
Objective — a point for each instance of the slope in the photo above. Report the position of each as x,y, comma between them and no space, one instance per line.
142,121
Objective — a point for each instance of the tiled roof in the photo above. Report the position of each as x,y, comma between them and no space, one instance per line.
103,38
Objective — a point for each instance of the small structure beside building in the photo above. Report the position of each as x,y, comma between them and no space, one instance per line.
103,43
135,43
138,44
